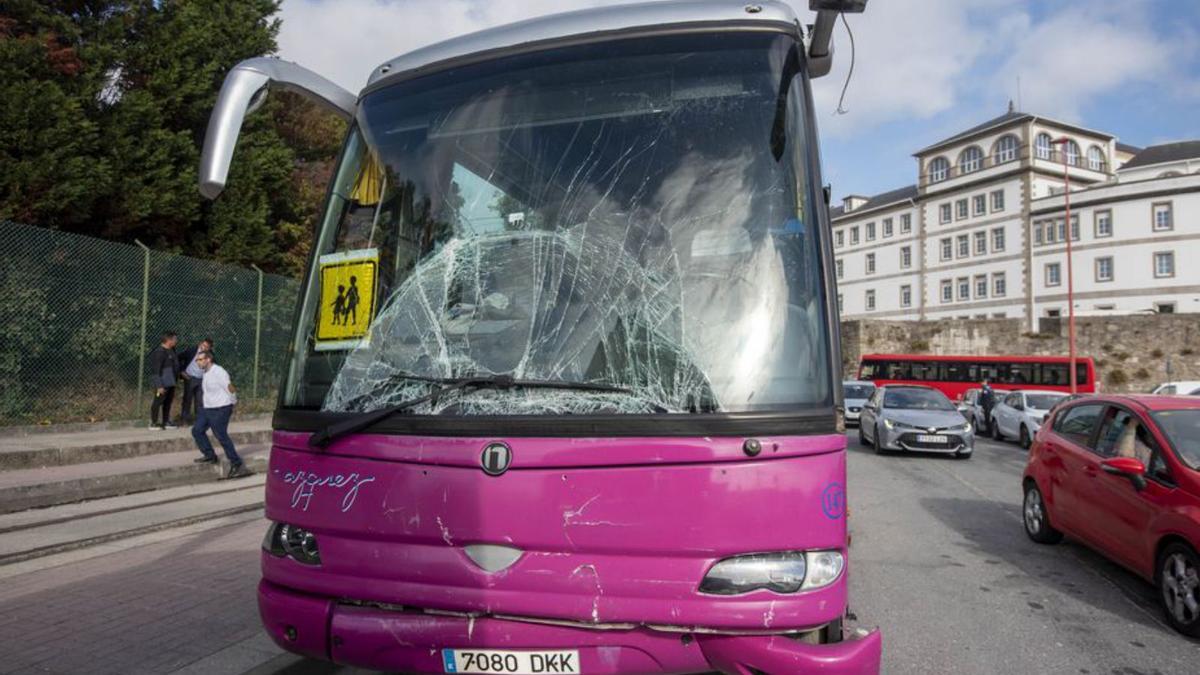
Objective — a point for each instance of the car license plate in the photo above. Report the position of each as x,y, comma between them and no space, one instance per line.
926,438
505,661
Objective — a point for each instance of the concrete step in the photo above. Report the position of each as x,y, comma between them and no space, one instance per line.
43,532
51,486
29,451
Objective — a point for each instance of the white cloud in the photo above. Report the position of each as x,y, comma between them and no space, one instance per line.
344,39
1084,51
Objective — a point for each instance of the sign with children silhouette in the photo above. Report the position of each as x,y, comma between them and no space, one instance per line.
347,298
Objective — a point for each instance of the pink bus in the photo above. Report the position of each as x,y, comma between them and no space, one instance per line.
564,390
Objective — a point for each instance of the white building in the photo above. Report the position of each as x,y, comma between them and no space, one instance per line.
981,234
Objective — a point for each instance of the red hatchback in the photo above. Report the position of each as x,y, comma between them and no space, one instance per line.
1122,475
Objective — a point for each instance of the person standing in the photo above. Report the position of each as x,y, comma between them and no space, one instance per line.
987,400
164,370
192,374
217,399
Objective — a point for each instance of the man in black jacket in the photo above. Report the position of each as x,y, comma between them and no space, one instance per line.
987,401
192,375
164,370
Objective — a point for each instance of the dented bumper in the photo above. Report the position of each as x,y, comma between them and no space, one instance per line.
412,641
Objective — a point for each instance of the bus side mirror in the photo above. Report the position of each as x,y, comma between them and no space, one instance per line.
244,90
820,48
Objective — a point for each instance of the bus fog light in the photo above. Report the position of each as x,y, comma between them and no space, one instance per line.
824,568
779,572
294,542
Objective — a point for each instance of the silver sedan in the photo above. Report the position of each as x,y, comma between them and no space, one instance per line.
910,417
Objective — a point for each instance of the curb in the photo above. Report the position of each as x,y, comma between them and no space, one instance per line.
64,456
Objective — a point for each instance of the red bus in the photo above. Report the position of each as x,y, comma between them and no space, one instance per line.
953,375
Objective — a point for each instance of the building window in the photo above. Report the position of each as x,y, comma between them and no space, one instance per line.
905,223
1164,264
1053,313
1072,152
839,303
1162,216
839,238
1037,234
999,285
1095,158
840,267
870,300
1053,274
1041,146
887,227
970,160
1104,269
1164,307
1106,307
870,263
854,235
981,243
997,239
1074,228
944,212
1103,223
960,209
905,257
964,288
997,200
947,248
871,231
979,205
906,296
1005,150
939,169
964,246
1000,315
947,290
981,285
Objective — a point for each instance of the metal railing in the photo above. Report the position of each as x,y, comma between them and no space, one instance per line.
80,315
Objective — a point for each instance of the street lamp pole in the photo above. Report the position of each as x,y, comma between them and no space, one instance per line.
1063,142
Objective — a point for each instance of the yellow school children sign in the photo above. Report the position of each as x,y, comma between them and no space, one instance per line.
347,298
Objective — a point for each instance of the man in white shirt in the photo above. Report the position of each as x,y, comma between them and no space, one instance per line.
216,407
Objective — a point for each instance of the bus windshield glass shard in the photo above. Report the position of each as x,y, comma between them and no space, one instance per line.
634,214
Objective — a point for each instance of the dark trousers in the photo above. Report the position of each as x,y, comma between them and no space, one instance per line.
191,400
162,403
216,419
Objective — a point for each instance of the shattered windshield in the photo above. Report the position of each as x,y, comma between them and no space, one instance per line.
631,213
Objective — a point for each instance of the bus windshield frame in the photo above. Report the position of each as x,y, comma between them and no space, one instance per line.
770,306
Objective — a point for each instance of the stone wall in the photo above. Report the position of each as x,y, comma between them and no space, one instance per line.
1133,353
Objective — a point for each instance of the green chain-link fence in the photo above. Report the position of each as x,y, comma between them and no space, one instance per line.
78,316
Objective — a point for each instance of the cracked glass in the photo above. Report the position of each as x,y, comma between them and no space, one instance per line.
632,213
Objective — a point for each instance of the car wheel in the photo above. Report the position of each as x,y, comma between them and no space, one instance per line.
1025,440
1037,518
862,436
1179,583
879,449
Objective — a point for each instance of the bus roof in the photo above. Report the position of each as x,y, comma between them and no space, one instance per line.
609,20
975,359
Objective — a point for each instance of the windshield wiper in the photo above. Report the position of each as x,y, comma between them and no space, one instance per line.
362,421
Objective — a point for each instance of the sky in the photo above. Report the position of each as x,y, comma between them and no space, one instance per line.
923,69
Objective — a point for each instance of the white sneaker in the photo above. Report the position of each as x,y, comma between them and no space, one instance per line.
154,426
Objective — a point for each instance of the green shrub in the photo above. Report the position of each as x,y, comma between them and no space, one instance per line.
1157,353
1141,374
1116,377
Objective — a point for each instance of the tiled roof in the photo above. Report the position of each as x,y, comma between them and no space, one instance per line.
1167,152
1006,118
881,199
1125,147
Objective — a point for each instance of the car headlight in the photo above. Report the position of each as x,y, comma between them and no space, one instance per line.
784,572
294,542
964,428
888,423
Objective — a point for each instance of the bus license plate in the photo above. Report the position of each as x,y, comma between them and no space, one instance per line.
925,438
505,661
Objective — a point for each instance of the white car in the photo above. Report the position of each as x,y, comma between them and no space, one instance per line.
1187,387
1019,414
854,396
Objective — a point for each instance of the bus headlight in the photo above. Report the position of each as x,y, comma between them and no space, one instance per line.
294,542
784,572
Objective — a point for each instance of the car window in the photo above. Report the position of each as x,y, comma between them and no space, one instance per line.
1042,401
1182,429
917,399
971,396
1076,424
1123,435
1194,392
857,391
1166,389
1012,400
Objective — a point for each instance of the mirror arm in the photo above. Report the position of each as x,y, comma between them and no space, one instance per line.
244,89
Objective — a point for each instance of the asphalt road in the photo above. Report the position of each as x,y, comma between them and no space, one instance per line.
940,561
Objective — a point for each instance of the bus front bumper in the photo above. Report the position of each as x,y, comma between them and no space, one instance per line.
397,639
